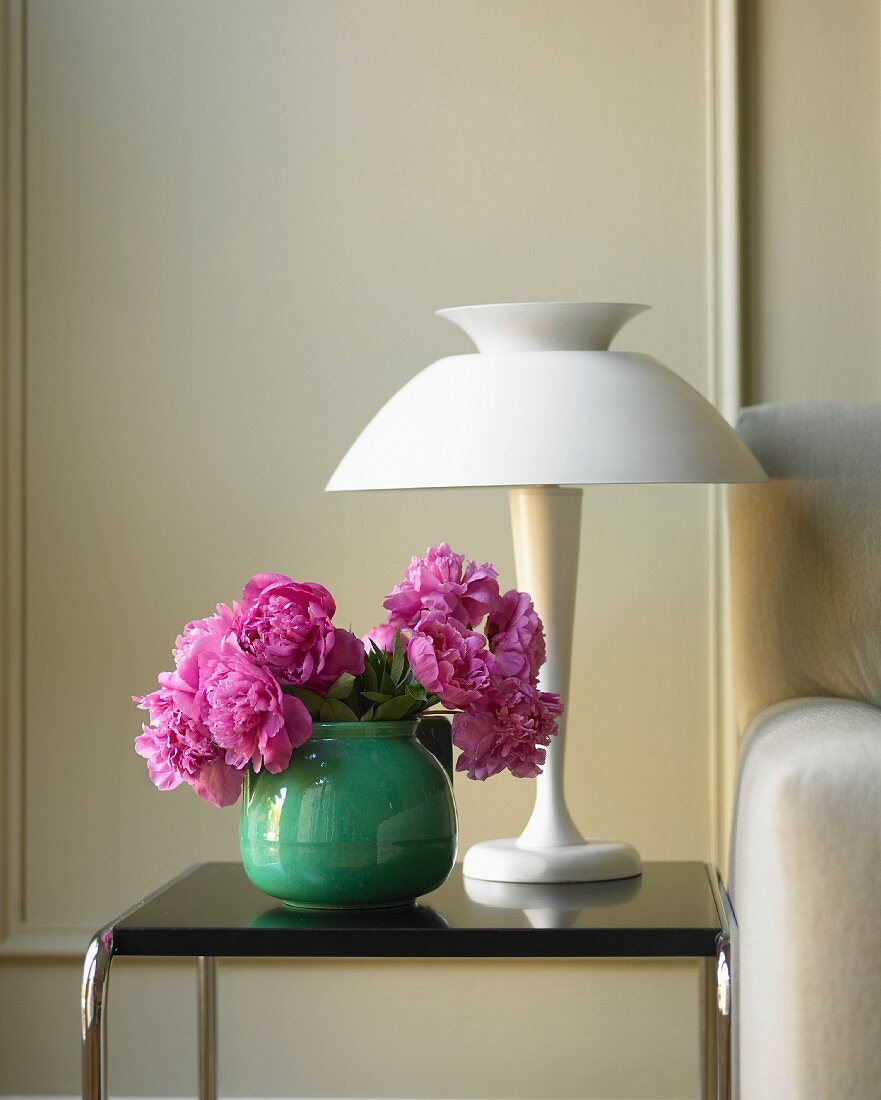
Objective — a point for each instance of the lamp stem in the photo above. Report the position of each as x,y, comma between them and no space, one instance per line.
546,525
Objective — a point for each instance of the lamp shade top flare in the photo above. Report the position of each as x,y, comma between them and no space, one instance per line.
565,410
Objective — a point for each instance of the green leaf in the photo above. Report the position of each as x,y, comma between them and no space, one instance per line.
310,699
398,657
376,696
376,660
388,686
417,691
395,709
367,715
333,710
369,678
341,687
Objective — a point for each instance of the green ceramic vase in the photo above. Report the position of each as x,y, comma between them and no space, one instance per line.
363,817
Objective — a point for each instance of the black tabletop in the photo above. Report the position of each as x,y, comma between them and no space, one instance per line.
212,909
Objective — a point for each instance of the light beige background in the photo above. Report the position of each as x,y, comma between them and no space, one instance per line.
240,218
813,199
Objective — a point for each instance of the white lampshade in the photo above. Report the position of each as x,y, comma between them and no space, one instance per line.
543,403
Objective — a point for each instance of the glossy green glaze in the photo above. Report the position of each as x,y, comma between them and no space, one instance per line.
364,816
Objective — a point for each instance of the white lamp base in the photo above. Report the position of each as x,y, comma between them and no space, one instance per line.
592,861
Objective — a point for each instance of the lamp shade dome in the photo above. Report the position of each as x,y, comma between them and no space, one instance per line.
545,403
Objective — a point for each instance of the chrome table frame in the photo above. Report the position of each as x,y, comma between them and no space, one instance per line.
715,993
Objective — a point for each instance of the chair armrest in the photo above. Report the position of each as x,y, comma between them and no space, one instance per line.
806,890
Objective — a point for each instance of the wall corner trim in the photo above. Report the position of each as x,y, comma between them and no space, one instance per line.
13,112
725,351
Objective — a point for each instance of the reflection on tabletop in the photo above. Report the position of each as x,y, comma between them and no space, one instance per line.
552,905
401,916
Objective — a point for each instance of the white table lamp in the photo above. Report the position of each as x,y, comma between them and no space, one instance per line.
542,408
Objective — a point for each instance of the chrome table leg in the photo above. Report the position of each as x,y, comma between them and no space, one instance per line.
717,992
93,1006
207,1027
723,1018
708,1029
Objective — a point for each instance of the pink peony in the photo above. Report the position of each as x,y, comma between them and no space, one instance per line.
247,713
218,783
448,659
383,637
286,627
179,749
516,638
195,634
509,730
195,652
440,581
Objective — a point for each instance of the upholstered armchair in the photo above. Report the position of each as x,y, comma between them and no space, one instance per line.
805,873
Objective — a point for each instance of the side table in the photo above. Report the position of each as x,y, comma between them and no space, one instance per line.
674,910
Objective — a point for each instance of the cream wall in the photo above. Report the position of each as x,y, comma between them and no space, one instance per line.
239,220
813,199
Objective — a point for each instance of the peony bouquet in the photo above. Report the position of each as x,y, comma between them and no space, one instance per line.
250,680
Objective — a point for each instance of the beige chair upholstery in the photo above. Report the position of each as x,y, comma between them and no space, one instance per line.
806,844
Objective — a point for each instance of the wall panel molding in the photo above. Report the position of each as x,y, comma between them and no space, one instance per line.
725,351
34,942
13,354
